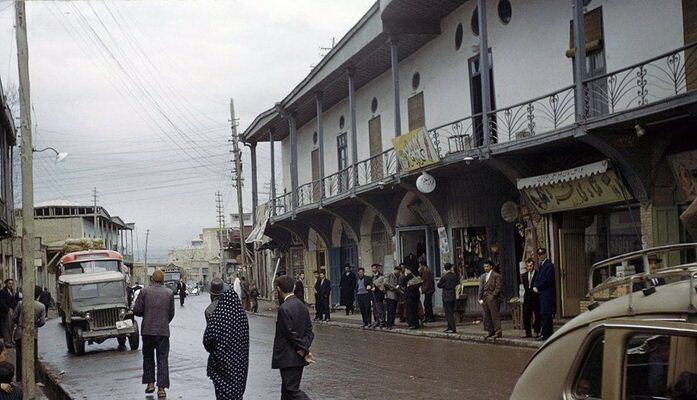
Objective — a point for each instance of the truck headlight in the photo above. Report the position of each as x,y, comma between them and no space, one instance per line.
122,313
87,315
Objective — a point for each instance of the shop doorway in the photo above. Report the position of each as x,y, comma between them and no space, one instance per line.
417,242
573,269
347,253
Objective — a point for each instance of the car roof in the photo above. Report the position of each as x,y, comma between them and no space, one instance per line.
95,277
89,255
671,298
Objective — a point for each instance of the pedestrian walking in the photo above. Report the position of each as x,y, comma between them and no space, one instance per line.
39,321
546,288
291,344
531,300
46,299
299,290
181,291
490,299
254,297
392,295
244,286
377,297
318,302
428,289
347,287
412,295
237,286
448,282
363,287
226,339
156,305
217,289
325,292
8,302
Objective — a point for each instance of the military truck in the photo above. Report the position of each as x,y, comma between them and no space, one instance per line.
637,339
95,308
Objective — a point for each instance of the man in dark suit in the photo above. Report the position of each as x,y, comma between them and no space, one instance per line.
318,305
448,282
531,300
324,291
363,286
299,290
291,345
347,286
545,286
490,299
8,303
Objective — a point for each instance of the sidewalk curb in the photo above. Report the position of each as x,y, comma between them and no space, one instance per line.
53,388
431,334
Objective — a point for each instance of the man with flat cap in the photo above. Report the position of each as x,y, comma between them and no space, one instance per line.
155,304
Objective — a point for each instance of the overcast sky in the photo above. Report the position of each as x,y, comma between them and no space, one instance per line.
138,93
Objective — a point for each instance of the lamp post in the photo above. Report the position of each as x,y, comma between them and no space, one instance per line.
60,156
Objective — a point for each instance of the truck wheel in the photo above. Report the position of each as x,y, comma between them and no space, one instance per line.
134,338
69,342
78,344
122,341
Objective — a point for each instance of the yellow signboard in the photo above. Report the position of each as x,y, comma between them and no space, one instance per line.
415,150
589,191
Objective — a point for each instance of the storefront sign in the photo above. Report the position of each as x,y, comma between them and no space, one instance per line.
444,245
587,186
684,165
415,150
263,215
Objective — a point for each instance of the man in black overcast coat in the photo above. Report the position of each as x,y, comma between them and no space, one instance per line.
291,345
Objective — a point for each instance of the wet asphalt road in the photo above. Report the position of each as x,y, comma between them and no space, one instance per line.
351,364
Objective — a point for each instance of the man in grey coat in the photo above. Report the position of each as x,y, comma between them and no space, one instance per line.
156,305
392,295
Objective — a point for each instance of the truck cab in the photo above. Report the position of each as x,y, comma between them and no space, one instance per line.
635,344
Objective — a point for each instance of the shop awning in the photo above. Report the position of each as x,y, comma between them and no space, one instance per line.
567,175
257,233
586,186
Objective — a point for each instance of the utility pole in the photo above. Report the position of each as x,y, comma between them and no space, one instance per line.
237,183
145,263
96,218
221,229
28,271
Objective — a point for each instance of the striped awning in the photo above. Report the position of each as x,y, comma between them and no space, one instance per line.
567,175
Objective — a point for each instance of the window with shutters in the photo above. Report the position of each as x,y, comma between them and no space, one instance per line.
375,138
417,116
593,26
342,157
597,94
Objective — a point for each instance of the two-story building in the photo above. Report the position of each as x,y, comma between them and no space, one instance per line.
574,133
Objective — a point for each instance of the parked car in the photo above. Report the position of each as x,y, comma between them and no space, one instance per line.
633,346
95,307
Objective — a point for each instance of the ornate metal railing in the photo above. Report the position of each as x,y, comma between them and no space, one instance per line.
531,117
377,168
309,193
647,82
457,136
283,204
338,183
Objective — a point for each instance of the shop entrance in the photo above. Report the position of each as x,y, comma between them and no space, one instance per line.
419,241
574,269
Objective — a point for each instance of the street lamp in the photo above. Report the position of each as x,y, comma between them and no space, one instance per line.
60,156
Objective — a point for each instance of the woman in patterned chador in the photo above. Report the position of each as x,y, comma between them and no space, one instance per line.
227,341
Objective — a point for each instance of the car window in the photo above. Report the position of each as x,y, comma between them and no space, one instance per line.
589,381
646,366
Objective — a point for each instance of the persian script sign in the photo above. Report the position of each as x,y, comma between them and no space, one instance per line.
415,150
589,191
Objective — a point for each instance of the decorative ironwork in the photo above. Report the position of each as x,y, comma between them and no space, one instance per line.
377,168
338,182
656,79
309,193
533,117
455,136
283,204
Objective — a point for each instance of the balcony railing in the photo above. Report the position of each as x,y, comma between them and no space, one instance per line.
377,168
457,136
539,115
650,81
338,183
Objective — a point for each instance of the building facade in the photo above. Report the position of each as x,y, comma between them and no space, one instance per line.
573,133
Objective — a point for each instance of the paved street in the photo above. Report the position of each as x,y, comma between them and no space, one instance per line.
351,364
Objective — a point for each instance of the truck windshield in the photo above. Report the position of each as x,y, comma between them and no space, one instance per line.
172,276
102,289
91,266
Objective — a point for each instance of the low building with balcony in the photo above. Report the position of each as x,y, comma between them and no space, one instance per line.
574,133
